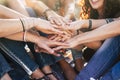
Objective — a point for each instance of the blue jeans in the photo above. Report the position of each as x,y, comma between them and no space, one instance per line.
4,66
113,74
102,61
44,59
17,54
14,73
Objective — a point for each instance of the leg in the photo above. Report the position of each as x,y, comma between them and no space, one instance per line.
113,74
102,60
44,61
4,69
79,60
67,70
6,77
16,52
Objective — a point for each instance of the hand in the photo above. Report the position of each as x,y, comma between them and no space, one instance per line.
47,45
71,43
46,27
61,38
76,25
56,19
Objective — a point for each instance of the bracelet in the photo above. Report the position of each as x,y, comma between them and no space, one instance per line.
108,20
23,26
24,36
90,24
24,31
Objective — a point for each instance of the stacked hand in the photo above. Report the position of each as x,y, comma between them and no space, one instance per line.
62,35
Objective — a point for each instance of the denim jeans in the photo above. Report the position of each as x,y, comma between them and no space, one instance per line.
17,54
4,66
113,73
14,73
17,73
102,61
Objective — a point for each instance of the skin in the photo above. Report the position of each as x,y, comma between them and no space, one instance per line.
97,4
37,73
6,77
19,36
54,18
104,32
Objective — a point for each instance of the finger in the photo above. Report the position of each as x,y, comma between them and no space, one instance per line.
58,48
56,31
44,51
60,44
58,21
57,38
50,51
53,37
51,20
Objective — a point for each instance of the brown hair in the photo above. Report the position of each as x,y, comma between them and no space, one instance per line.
111,9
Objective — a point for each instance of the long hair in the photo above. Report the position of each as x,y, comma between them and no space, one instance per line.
111,9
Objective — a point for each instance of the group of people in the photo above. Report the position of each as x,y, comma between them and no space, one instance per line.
30,45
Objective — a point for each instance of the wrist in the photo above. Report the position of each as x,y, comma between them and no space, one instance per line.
70,16
31,37
85,24
49,13
37,21
28,23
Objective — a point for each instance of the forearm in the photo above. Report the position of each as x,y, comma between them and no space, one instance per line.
11,26
104,32
17,6
9,13
69,9
94,45
29,37
38,6
96,23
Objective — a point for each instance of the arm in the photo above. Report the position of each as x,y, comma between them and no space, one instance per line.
80,24
42,9
17,5
69,9
41,42
11,26
9,13
40,24
38,6
104,32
